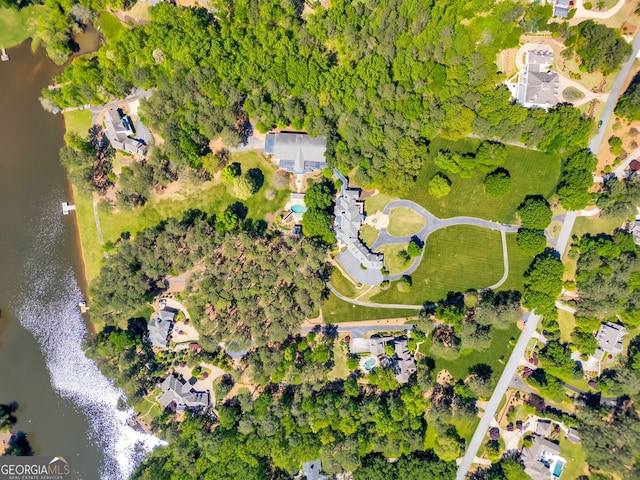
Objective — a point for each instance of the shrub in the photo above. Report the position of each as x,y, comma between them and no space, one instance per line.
439,185
413,249
231,171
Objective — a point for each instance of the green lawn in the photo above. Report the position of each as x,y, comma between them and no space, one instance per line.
459,368
391,260
595,226
519,263
342,284
78,122
456,259
335,310
110,26
567,323
404,221
368,235
532,173
211,197
576,459
377,202
16,26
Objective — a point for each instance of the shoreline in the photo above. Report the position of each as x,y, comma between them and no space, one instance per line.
82,277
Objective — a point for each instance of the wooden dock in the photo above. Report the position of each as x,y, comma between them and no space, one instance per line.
4,56
66,208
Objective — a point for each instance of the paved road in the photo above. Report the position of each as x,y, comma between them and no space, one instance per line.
616,90
361,331
517,383
565,233
432,224
376,305
492,407
98,110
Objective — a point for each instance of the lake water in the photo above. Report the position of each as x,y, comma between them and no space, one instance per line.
66,407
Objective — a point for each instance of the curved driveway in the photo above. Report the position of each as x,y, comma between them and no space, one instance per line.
432,224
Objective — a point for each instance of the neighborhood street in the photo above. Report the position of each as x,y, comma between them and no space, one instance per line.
491,409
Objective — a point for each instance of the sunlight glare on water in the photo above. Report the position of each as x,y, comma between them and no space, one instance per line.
49,309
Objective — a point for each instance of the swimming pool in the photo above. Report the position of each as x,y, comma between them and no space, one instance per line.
557,470
297,208
369,364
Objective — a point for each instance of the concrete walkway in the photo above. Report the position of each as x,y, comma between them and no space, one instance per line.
506,378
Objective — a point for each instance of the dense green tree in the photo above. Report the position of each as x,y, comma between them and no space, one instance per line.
244,187
543,284
497,183
535,213
231,171
577,179
531,242
628,105
599,47
317,224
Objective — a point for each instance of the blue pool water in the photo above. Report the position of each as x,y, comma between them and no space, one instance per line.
557,470
368,365
298,208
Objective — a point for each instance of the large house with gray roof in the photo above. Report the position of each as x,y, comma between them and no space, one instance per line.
119,131
160,327
405,365
349,214
538,85
609,338
541,458
297,152
178,393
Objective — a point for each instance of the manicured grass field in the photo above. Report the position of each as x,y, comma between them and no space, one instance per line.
110,26
335,310
391,259
17,25
368,235
532,173
567,323
377,202
595,226
342,284
519,263
576,459
78,122
459,368
404,221
456,259
211,197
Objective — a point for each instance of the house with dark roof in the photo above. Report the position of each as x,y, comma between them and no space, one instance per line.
349,213
540,459
297,152
538,85
119,130
179,394
609,338
160,326
401,361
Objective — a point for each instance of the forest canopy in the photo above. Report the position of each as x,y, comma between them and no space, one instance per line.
379,79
